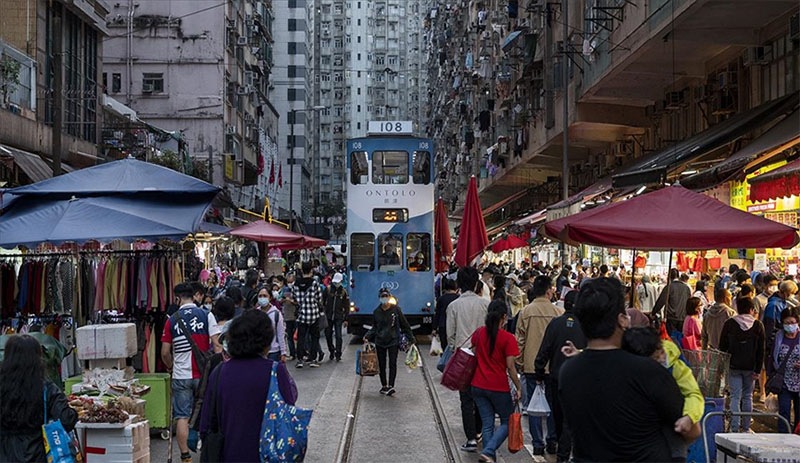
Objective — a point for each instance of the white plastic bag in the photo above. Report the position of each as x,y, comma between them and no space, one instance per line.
771,404
436,346
413,359
538,405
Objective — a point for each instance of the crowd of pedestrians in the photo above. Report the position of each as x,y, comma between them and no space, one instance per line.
628,394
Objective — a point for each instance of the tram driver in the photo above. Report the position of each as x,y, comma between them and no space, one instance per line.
389,256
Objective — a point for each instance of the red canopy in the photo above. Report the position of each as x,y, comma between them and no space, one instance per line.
508,242
306,243
672,218
441,233
779,183
267,232
472,239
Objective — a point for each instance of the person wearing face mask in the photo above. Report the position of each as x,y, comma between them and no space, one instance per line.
785,357
769,285
277,350
336,304
776,304
388,322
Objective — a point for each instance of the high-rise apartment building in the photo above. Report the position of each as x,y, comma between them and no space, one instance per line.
365,60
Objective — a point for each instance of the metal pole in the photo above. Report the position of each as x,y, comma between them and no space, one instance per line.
58,89
565,96
293,112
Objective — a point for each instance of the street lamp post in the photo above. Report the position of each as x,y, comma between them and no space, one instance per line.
291,157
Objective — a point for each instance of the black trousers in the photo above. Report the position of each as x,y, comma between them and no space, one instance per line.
470,418
333,334
290,327
307,341
563,433
391,353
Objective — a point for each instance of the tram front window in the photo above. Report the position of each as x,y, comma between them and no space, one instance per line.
359,171
391,248
419,245
362,252
390,167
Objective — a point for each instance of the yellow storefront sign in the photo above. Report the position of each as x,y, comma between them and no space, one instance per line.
740,195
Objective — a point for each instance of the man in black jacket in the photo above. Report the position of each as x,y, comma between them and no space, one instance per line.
337,305
560,330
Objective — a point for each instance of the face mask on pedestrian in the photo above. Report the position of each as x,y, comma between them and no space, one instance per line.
276,294
790,329
262,301
207,306
384,300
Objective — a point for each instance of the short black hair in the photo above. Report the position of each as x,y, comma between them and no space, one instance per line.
541,284
733,268
467,278
224,308
788,312
251,277
569,300
673,274
449,284
744,305
767,278
741,277
604,269
306,267
642,340
184,290
235,293
250,334
746,290
198,287
599,303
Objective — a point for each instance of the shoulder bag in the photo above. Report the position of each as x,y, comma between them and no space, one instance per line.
284,429
57,443
199,356
214,440
460,368
775,382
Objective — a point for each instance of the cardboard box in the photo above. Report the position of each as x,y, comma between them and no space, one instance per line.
116,445
113,341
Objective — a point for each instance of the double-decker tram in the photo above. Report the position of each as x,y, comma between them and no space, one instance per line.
390,189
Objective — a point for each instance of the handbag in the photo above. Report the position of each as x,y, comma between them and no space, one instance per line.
775,382
448,352
515,438
367,360
460,368
58,445
322,322
538,405
402,339
214,440
284,428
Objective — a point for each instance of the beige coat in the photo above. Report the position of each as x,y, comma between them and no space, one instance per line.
533,320
714,318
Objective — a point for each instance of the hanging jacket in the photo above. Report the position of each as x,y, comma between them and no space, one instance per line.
27,444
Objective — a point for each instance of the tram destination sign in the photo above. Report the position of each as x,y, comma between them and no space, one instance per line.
390,128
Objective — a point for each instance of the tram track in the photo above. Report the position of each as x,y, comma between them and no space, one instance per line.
345,452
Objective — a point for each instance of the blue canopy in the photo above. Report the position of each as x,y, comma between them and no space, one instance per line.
33,220
120,177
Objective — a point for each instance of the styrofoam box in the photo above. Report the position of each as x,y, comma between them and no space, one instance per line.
128,444
763,447
113,341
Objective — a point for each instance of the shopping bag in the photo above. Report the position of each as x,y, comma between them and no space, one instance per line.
436,346
515,438
538,405
771,403
448,352
368,360
57,443
284,428
459,370
413,359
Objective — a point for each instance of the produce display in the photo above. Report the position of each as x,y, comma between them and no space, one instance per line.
96,411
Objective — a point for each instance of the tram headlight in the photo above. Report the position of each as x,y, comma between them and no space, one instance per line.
353,307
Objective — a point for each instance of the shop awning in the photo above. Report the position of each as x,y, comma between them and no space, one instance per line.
779,183
532,219
696,146
36,168
780,137
504,201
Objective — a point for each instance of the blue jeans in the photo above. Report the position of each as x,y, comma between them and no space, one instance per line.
741,384
535,422
490,403
183,397
785,399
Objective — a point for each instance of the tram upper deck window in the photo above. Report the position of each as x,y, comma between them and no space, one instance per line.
421,163
390,167
359,170
391,248
362,252
419,248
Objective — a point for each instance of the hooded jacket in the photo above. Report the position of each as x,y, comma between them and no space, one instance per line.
308,295
336,303
713,320
743,337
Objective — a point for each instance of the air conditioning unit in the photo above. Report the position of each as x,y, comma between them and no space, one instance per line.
147,88
244,90
249,77
230,129
674,100
757,56
242,41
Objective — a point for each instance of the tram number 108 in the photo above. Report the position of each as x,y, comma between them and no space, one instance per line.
390,127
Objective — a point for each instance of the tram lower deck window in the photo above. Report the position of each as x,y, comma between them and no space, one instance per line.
362,252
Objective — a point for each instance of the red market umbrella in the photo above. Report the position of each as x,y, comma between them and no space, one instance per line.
307,242
263,231
779,183
472,239
441,234
672,218
508,242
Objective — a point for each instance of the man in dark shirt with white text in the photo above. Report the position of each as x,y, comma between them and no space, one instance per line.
618,405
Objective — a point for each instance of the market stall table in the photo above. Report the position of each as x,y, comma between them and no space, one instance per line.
784,448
